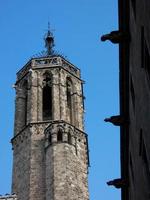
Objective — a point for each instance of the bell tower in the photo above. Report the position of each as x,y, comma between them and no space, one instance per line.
50,147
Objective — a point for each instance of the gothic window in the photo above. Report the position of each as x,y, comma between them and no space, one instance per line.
69,100
59,136
47,97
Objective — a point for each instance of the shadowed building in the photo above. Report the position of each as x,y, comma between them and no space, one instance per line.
134,16
134,119
50,147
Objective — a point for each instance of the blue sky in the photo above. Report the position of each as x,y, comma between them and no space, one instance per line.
78,25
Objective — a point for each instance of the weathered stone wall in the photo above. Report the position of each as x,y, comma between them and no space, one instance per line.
29,163
57,171
21,164
66,163
37,162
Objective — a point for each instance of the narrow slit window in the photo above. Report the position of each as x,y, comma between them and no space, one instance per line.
69,138
59,136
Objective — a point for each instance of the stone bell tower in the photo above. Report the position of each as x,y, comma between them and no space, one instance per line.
50,147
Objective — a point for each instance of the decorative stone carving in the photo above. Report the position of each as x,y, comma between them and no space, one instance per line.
56,61
66,129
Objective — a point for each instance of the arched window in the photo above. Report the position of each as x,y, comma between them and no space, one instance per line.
59,136
47,97
69,100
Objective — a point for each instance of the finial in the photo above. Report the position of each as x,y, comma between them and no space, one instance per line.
49,41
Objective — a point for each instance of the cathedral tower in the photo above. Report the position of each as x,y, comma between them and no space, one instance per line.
50,147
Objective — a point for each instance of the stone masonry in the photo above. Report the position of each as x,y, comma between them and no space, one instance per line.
50,147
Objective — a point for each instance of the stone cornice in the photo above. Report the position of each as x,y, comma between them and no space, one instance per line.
48,62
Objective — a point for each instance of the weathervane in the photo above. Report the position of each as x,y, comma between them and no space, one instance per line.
49,41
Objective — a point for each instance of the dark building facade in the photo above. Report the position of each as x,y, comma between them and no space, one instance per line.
134,55
134,119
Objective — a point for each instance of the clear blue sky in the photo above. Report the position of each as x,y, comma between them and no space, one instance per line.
78,26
